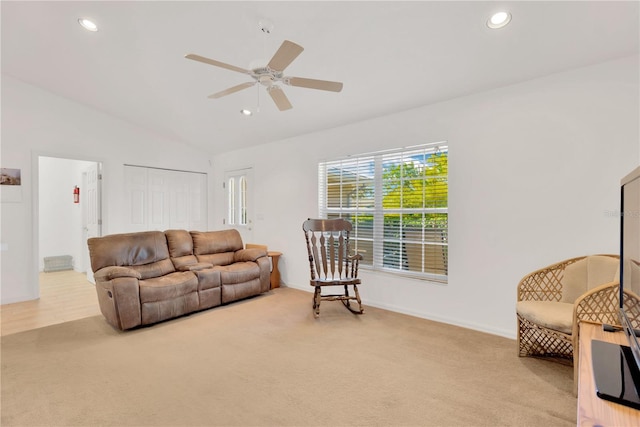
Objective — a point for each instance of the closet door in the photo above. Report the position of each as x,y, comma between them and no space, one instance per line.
161,199
179,204
198,202
135,183
159,193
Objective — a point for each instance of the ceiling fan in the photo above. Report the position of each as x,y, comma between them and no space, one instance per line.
272,73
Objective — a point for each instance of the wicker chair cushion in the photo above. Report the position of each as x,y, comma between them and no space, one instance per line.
551,315
586,274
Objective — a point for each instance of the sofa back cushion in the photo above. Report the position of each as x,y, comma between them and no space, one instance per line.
146,252
216,247
586,274
180,248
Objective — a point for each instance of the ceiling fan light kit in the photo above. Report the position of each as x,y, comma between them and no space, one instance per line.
272,74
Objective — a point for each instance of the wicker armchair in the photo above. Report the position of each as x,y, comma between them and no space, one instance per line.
554,300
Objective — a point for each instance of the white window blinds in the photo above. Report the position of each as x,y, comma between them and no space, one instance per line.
397,202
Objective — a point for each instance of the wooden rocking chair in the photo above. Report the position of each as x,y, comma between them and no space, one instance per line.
330,261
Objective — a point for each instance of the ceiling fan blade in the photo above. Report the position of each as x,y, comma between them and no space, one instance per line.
216,63
278,96
231,90
314,84
285,55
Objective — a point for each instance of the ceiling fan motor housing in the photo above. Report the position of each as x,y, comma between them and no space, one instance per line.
266,76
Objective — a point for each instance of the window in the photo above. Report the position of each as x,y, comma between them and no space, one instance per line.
242,206
397,201
237,187
231,203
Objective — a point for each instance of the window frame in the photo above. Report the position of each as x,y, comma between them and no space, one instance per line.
356,172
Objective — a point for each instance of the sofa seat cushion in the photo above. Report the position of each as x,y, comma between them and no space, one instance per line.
167,287
238,272
552,315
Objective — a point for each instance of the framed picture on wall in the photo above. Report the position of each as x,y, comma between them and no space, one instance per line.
10,185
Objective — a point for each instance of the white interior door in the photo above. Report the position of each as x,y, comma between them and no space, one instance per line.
238,185
198,201
162,199
159,182
92,220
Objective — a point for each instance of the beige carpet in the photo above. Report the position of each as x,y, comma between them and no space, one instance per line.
267,362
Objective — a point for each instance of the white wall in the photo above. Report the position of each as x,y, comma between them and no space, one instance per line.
36,122
60,220
534,167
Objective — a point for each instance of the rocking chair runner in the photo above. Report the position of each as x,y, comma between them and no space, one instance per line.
330,261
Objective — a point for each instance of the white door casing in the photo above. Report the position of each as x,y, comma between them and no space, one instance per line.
91,211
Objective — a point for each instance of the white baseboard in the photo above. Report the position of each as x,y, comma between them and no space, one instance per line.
511,334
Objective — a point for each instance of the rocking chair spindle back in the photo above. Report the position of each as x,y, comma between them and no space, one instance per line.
330,261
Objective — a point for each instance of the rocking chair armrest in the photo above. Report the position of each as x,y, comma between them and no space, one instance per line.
355,264
355,257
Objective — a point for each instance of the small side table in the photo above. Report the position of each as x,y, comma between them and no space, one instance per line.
275,273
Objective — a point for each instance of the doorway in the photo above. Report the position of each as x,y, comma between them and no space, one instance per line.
69,206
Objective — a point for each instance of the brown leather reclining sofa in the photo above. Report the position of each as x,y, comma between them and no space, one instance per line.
146,277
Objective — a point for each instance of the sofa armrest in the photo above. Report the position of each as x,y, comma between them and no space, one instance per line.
251,254
195,267
108,273
119,300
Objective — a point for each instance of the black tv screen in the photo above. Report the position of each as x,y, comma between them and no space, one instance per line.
616,367
630,258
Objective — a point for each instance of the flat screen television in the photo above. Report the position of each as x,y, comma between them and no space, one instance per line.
616,367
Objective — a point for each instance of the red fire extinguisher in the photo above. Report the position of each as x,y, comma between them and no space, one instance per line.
76,194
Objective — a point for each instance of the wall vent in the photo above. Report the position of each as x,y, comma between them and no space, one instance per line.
58,263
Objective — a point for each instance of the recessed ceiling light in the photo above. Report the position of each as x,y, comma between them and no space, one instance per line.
499,20
88,24
245,112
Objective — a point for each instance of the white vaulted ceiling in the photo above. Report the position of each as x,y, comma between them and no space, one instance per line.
391,56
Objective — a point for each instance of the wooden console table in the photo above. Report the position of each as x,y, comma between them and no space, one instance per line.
275,273
593,411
